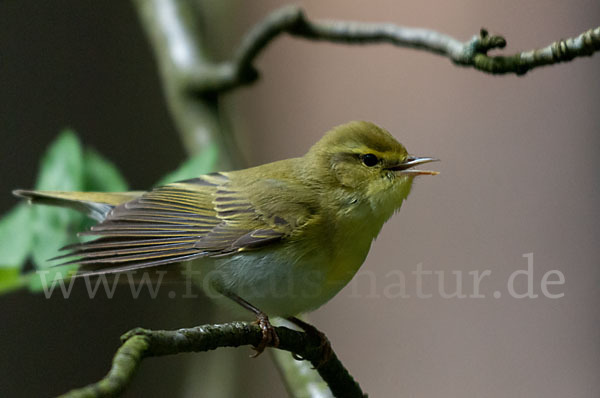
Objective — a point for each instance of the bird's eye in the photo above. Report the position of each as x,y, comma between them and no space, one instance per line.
369,159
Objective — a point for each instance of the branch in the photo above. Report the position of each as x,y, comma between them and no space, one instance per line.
291,19
300,378
142,343
175,36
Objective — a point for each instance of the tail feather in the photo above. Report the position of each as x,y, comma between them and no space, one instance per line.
133,232
96,205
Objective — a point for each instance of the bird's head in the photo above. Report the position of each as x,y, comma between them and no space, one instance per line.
366,164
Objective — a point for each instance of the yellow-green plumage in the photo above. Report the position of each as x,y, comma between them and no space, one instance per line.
285,236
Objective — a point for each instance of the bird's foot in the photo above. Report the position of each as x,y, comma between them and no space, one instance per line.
324,344
269,336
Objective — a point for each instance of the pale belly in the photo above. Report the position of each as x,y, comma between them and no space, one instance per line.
297,278
279,285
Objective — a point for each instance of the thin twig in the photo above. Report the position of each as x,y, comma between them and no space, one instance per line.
142,343
291,19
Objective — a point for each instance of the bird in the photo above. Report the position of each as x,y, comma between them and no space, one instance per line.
280,239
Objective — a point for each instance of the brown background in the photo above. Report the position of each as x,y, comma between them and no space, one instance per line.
520,174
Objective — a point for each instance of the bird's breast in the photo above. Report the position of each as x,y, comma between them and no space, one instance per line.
297,275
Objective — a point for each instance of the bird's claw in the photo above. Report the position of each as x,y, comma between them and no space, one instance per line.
269,336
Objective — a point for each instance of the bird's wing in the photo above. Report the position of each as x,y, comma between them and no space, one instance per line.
205,216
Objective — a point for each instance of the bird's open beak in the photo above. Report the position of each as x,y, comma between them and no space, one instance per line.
411,161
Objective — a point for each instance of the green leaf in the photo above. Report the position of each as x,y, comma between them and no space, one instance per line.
39,231
11,279
202,163
53,228
43,280
101,175
15,237
61,169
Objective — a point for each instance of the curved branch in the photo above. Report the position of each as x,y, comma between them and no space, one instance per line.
142,343
560,51
291,19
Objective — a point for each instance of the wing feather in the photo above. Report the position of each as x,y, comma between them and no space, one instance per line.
205,216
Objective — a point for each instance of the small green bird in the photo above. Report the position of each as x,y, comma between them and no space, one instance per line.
280,239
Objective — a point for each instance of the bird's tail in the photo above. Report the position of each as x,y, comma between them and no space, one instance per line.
96,205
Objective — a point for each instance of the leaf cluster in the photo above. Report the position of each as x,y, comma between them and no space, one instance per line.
33,234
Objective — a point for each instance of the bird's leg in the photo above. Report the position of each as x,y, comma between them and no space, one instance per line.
269,337
324,345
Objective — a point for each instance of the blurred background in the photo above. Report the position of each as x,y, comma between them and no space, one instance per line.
519,174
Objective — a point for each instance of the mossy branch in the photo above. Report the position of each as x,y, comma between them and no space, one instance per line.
473,53
139,343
